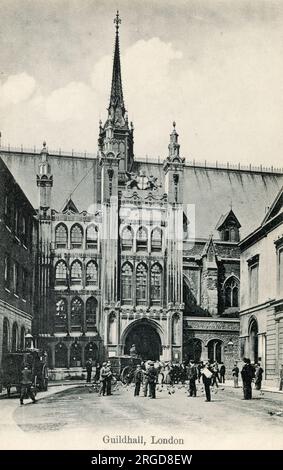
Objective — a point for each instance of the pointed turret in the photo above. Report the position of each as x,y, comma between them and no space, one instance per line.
44,180
174,169
115,135
116,108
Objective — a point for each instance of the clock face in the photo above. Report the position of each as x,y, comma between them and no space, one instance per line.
142,182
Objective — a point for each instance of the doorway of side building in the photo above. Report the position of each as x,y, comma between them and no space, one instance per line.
253,340
146,340
193,350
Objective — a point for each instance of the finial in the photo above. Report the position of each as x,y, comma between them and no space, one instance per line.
117,21
44,144
174,124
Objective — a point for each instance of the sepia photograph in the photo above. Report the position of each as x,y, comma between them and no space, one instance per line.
141,226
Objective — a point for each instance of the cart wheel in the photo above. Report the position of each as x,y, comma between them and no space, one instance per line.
126,375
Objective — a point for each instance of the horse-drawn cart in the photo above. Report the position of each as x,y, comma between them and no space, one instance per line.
123,367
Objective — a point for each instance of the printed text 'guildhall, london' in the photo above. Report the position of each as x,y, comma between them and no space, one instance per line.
141,252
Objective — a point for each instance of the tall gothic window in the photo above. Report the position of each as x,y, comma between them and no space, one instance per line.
141,283
91,273
7,271
141,239
77,310
231,293
16,277
91,237
156,240
76,273
127,279
155,283
61,236
15,334
6,335
127,239
76,236
61,312
61,273
91,307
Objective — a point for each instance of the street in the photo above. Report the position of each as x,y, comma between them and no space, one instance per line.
78,418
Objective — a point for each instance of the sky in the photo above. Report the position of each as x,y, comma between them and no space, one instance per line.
213,66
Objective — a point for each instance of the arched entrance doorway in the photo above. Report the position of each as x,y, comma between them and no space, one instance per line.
253,341
146,340
214,350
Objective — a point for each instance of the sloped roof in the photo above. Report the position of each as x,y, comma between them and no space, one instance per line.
275,208
225,217
208,191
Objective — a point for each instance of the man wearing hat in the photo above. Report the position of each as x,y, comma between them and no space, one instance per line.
152,379
109,379
247,374
104,371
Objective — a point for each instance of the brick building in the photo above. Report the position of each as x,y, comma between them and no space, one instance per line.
18,240
136,251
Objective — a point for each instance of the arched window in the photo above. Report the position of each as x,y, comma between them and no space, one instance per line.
61,236
77,310
91,308
112,329
155,283
76,355
141,284
91,273
61,273
127,279
76,273
156,240
91,237
23,335
14,337
231,293
76,236
61,355
6,336
61,312
175,329
127,239
141,239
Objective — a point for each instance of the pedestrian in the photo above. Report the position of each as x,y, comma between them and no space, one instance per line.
26,385
281,378
152,379
235,374
258,377
103,378
192,373
247,374
138,377
222,372
215,376
207,374
109,379
97,372
200,367
88,366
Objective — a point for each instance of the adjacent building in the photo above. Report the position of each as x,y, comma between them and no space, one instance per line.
261,315
18,242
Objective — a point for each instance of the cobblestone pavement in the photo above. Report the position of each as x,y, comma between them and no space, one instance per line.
80,418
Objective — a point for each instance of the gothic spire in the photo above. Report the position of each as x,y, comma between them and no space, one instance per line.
116,97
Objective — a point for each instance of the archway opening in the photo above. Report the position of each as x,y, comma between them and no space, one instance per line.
253,337
61,355
146,340
193,350
214,350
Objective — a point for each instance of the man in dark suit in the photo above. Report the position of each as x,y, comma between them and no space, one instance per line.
26,384
152,379
138,376
207,374
192,372
247,374
88,366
